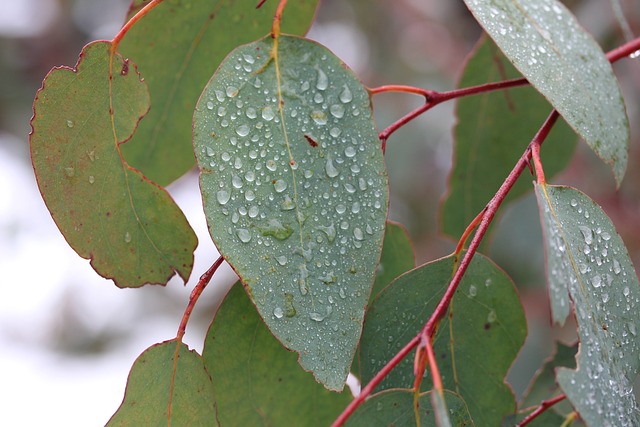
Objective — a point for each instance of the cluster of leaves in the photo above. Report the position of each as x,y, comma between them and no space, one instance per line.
295,193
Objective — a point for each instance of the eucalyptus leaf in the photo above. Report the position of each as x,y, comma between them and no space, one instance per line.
295,192
545,42
588,265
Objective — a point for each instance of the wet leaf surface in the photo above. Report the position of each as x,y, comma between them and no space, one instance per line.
588,264
561,60
110,213
295,192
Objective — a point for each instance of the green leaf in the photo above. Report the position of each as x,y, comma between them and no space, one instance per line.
257,381
544,387
562,61
588,263
474,350
295,192
110,213
177,67
493,131
397,257
396,408
161,392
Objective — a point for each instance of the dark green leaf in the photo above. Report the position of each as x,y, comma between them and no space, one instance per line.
257,381
177,47
110,213
588,264
161,392
295,192
397,257
396,408
561,60
493,131
474,351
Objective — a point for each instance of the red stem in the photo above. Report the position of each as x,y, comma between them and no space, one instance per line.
195,294
277,19
135,18
401,88
540,409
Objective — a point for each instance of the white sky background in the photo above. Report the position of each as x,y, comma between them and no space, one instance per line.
39,383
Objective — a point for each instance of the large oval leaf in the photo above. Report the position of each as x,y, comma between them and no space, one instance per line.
129,227
588,263
176,68
244,359
295,192
561,60
492,132
475,345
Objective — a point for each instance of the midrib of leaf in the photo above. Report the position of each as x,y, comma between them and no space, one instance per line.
174,87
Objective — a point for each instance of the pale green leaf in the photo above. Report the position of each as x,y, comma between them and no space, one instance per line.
588,264
244,359
295,193
177,46
110,213
560,59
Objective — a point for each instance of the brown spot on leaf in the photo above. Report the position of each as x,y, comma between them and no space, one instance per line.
312,142
125,68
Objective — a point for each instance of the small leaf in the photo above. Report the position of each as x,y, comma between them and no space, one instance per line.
588,263
177,47
301,223
562,61
257,381
473,352
161,392
110,213
396,408
492,132
397,257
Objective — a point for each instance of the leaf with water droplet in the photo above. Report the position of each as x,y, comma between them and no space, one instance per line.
545,42
176,68
492,132
474,352
576,233
313,211
161,391
110,213
244,359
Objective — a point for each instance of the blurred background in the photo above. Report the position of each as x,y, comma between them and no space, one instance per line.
68,338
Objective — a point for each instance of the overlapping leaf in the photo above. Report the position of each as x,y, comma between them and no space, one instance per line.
474,350
588,264
295,193
561,60
161,392
129,227
493,131
397,257
257,381
177,47
397,408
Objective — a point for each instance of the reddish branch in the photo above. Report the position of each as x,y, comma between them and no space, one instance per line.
482,221
540,409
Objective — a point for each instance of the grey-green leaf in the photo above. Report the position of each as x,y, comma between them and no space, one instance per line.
295,192
588,264
562,61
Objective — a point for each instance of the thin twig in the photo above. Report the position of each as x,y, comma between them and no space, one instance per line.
546,404
135,18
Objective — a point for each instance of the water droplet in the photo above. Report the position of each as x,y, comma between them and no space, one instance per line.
330,169
337,111
92,155
271,165
92,179
223,197
473,291
355,208
362,184
342,293
268,113
345,95
253,211
596,281
280,185
323,81
605,297
70,123
232,91
341,208
278,312
276,229
219,95
335,132
282,260
330,231
210,105
632,328
574,202
492,316
244,235
249,195
242,130
69,171
488,282
248,58
319,117
222,111
625,291
127,237
357,233
587,233
236,181
616,266
605,236
350,151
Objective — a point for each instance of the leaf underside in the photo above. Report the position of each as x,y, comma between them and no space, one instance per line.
295,193
588,264
244,359
152,400
474,350
561,60
110,213
176,68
